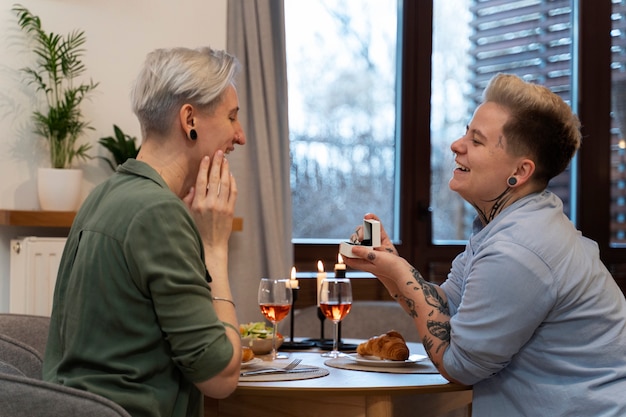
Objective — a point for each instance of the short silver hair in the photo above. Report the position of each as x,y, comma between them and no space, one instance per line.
172,77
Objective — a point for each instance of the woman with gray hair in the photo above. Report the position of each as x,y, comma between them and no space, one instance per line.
529,315
143,311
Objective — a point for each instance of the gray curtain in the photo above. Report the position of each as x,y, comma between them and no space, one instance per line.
256,35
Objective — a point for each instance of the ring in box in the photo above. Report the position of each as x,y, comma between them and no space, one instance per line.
371,238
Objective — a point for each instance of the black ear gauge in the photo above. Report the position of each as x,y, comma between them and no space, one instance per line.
193,135
511,181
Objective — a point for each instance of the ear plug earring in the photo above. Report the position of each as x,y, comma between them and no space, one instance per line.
193,135
512,181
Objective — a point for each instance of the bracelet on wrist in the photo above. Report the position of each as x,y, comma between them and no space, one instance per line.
227,324
225,300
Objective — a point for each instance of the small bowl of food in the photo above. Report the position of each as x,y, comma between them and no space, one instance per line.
261,346
246,354
259,337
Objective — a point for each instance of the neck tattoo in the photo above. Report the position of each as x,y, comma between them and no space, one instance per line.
498,204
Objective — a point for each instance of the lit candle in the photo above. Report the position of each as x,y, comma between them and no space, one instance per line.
293,282
340,267
321,275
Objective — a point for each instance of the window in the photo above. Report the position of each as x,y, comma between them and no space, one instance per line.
451,110
618,127
342,101
540,40
341,60
473,41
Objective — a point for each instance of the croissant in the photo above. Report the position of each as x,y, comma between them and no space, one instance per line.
390,345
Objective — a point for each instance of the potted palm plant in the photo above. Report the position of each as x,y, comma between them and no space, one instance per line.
58,64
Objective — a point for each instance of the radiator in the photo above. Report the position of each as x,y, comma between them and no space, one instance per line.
34,266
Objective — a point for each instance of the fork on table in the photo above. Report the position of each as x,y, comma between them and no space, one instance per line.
290,367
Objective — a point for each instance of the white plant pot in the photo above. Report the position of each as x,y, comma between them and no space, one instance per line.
59,189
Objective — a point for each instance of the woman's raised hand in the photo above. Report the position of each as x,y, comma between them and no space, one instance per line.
212,200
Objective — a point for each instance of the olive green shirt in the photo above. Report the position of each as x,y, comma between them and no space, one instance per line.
132,317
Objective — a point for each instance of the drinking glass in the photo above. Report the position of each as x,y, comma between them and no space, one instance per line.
335,302
275,301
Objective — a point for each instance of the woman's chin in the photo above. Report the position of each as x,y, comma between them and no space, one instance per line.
454,184
457,187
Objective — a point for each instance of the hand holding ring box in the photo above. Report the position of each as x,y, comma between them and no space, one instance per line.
371,238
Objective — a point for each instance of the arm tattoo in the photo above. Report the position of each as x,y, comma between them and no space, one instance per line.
431,295
410,305
427,341
441,330
438,330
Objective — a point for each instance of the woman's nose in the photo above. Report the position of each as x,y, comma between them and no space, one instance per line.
240,138
456,145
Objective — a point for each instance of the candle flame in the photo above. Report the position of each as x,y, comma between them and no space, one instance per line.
339,258
293,272
320,266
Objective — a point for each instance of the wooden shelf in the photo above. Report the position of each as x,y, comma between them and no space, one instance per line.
40,218
37,218
237,224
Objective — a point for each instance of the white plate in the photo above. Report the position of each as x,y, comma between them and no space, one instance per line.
253,361
376,361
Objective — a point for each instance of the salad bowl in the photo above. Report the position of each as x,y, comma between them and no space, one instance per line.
258,337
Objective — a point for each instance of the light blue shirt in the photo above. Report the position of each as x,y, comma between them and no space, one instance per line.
538,323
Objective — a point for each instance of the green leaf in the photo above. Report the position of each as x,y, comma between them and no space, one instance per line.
121,146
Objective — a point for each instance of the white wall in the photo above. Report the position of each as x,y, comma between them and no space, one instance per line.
119,34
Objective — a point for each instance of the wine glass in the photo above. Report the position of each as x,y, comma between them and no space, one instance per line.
335,302
275,301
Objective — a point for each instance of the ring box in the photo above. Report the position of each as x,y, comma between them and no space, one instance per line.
371,238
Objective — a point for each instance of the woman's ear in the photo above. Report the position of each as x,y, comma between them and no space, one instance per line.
187,114
525,170
187,122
